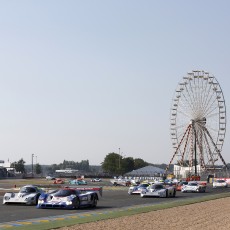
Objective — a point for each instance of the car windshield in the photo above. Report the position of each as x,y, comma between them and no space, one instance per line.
65,192
183,182
193,184
27,190
143,185
157,186
220,181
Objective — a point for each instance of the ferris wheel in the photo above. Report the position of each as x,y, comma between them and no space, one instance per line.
198,121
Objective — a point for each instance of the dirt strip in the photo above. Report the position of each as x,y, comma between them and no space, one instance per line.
209,215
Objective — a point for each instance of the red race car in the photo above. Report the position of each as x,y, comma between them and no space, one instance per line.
59,181
178,187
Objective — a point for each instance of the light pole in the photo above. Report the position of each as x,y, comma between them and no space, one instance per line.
32,165
119,159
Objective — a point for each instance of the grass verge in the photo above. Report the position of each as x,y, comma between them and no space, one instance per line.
70,220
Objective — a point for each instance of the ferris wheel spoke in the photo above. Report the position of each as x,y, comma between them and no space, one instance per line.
212,107
180,112
211,115
208,97
188,103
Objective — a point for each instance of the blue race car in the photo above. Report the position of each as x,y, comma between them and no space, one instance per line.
78,182
70,198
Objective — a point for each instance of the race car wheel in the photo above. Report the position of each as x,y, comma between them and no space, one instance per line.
36,202
166,193
94,202
76,203
174,193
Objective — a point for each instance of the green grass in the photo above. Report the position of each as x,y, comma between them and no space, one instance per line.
117,213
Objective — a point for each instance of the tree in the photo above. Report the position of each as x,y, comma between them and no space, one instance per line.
53,168
139,163
127,165
38,169
112,163
19,166
115,164
83,165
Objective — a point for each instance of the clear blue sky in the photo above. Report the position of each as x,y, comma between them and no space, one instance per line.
81,79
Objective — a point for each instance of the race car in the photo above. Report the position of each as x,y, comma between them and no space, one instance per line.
158,190
96,180
50,178
78,182
179,186
193,186
59,181
137,189
219,183
70,198
122,182
28,195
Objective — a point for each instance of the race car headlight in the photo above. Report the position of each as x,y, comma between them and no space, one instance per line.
6,197
68,202
40,201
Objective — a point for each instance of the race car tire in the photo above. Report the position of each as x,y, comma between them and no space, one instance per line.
174,193
36,202
76,203
166,194
94,202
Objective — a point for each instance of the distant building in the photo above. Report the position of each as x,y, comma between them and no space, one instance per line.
66,171
147,171
5,169
4,164
183,172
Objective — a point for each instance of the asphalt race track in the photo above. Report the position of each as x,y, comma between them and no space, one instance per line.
116,197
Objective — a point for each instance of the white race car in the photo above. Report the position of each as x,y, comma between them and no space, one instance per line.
96,180
219,183
123,182
137,189
28,195
193,186
158,190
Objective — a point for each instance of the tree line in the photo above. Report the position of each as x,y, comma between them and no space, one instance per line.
113,164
